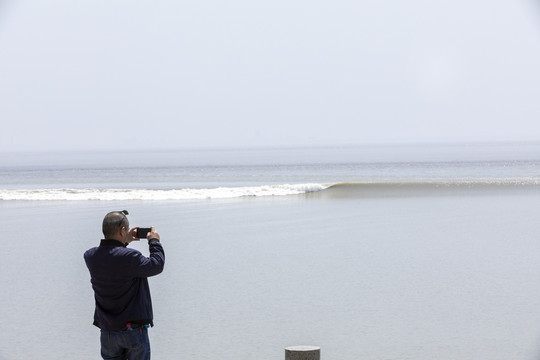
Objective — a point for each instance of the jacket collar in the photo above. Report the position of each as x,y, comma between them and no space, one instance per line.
111,242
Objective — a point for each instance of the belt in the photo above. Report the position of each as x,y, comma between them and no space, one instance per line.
136,326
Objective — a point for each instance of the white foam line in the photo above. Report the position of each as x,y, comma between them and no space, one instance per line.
138,194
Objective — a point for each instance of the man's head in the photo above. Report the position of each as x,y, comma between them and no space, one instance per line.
116,225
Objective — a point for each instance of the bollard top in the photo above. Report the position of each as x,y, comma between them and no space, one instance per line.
302,348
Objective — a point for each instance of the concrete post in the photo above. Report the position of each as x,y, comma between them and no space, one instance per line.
302,353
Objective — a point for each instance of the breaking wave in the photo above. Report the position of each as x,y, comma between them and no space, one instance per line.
142,194
314,190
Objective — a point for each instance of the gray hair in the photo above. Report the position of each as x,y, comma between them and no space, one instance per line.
113,222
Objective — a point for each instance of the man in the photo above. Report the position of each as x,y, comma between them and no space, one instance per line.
119,277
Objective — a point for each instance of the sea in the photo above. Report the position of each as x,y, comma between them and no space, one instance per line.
386,251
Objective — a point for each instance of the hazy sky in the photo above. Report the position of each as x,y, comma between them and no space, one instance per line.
107,74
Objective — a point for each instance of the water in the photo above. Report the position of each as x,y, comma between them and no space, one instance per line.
427,252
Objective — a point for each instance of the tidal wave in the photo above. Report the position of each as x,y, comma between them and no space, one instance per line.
428,188
313,190
159,195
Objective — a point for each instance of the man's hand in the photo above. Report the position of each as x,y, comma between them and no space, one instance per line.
132,236
153,234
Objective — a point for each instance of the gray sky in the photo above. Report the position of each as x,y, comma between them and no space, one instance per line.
102,74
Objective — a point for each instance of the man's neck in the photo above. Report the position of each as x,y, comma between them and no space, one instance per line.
117,237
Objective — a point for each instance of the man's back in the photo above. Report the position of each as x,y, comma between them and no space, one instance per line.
119,279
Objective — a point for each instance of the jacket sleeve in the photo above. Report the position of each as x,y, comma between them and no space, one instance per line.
149,266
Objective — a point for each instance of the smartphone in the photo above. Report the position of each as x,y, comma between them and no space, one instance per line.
142,233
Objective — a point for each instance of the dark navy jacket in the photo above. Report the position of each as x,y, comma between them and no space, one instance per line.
119,279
